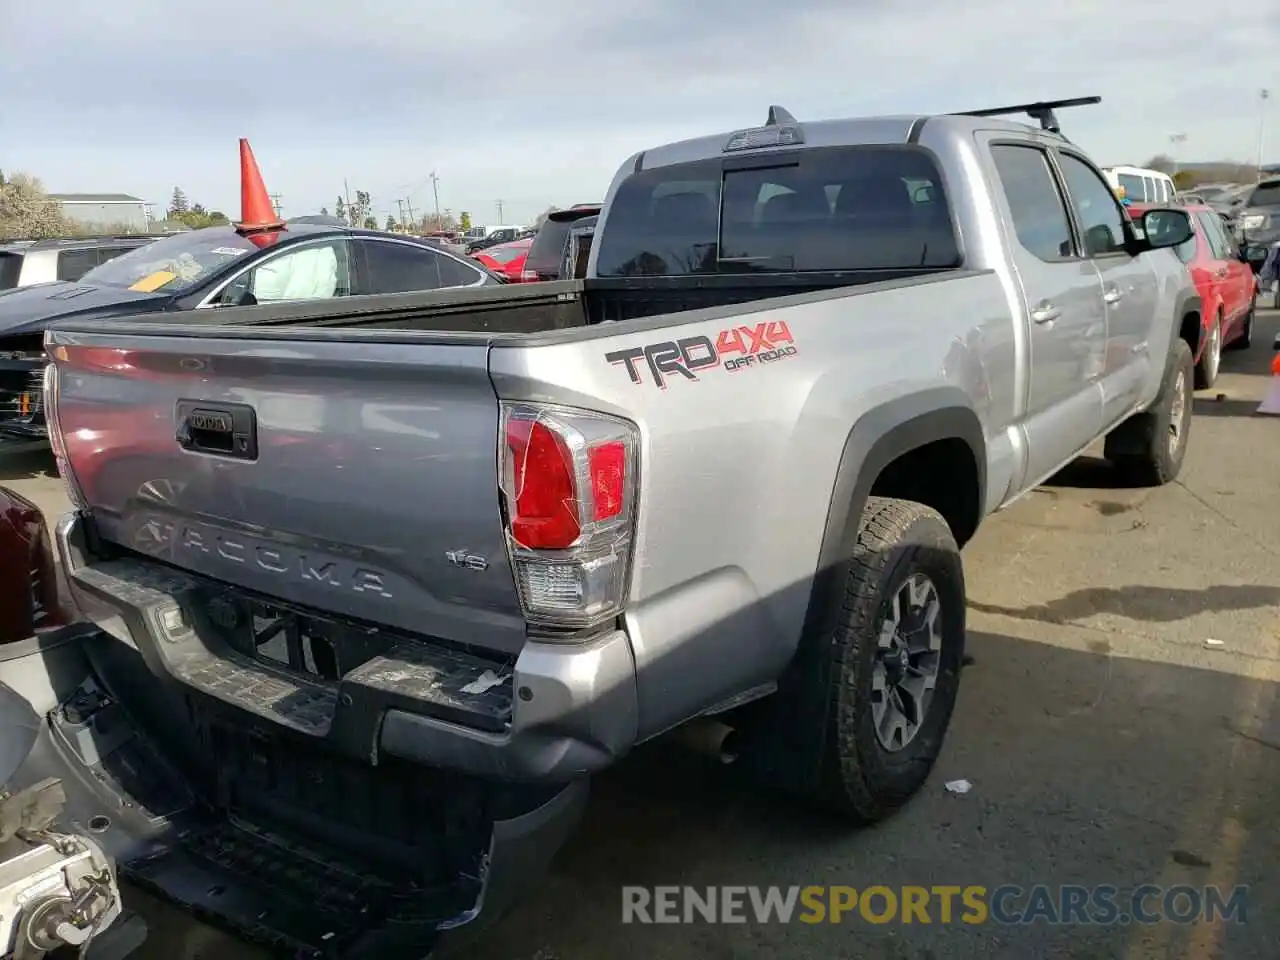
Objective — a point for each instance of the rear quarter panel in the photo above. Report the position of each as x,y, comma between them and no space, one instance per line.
738,466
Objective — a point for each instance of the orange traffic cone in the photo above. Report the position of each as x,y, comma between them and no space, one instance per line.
1271,402
256,212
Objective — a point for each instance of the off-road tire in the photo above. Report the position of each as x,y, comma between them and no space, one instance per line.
1139,448
859,778
1245,340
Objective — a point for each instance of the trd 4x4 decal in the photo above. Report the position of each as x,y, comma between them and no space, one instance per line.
734,349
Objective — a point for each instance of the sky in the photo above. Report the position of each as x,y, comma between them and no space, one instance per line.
536,104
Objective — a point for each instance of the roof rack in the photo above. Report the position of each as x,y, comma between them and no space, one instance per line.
1043,111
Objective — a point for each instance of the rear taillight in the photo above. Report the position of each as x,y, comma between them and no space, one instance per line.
528,276
53,426
568,480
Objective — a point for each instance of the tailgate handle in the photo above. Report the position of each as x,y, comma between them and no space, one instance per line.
222,429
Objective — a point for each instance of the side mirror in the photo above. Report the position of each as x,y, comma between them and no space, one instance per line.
1166,228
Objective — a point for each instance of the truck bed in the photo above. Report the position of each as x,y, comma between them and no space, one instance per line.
537,308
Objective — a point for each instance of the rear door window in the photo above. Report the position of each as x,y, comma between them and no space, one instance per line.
854,208
399,267
1036,206
454,273
74,264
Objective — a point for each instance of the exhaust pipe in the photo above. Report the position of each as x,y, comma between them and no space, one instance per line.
710,738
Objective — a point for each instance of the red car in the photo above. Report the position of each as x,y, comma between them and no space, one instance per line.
508,259
1227,286
29,602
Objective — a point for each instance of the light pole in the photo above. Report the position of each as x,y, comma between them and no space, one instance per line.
1263,96
1176,140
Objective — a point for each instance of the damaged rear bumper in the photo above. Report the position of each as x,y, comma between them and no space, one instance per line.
561,711
162,825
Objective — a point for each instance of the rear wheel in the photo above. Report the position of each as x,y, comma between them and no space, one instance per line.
895,661
1206,371
1150,446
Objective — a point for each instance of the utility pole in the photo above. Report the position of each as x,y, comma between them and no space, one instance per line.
400,204
1263,96
1176,140
412,219
435,190
346,195
499,206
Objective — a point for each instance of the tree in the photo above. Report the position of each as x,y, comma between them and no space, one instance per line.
340,210
178,205
359,212
370,223
28,213
392,226
324,211
1184,179
464,221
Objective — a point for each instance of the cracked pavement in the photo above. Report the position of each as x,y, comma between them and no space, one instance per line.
1106,741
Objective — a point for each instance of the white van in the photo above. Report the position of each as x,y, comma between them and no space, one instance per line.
1141,185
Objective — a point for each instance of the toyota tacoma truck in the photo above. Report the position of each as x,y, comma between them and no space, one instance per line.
383,582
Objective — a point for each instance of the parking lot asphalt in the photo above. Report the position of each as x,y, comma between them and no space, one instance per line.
1119,725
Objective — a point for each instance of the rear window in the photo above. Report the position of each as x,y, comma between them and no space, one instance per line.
1265,195
851,208
10,269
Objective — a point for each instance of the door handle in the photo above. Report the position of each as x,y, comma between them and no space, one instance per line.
1045,313
1112,296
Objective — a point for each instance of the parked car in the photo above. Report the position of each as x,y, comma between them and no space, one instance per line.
47,261
546,258
1227,287
1257,222
29,601
207,269
382,597
495,236
509,259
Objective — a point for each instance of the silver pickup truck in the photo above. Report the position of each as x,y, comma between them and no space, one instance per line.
383,581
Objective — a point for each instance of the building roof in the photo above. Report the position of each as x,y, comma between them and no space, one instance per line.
95,198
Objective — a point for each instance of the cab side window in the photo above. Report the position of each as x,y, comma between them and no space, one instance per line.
1101,217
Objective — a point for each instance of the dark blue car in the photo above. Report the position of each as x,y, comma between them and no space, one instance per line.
206,269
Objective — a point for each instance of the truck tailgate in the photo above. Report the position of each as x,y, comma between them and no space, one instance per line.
347,473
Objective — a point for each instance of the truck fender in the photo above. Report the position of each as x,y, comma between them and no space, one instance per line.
1188,301
880,436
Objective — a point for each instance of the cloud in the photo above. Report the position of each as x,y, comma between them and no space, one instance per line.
537,103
